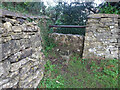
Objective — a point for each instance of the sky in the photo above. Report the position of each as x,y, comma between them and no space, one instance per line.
52,2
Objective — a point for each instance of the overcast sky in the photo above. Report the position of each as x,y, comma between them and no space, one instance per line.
53,2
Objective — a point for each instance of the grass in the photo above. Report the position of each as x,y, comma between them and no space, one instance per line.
79,73
91,73
50,80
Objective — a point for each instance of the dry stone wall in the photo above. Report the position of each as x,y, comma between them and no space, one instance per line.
68,44
102,38
21,59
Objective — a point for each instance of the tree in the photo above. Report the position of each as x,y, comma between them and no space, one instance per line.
35,8
74,13
110,8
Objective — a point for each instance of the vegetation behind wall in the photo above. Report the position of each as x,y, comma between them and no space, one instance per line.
34,8
110,8
74,13
63,13
47,43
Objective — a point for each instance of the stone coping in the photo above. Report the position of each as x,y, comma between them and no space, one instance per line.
4,13
68,34
104,16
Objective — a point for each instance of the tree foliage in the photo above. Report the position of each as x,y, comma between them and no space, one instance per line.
74,13
34,8
110,8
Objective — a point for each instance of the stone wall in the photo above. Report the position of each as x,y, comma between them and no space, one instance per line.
67,44
102,38
21,60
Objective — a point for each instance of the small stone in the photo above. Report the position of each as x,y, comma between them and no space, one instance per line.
29,24
92,50
111,27
101,29
13,20
8,26
93,21
3,81
4,68
106,20
12,83
113,40
16,29
34,23
16,66
58,49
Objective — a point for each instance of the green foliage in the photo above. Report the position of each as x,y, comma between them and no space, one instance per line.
34,8
71,14
48,66
29,19
48,43
107,8
92,74
14,6
50,80
109,73
83,73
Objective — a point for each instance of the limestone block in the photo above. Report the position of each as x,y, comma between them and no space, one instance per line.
4,68
93,20
25,68
25,43
8,26
16,66
16,29
12,83
20,55
13,21
35,82
3,81
16,36
24,75
106,20
25,83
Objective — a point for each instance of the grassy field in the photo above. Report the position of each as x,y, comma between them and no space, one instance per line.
79,73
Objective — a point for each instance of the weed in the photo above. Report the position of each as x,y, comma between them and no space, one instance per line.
50,80
88,73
